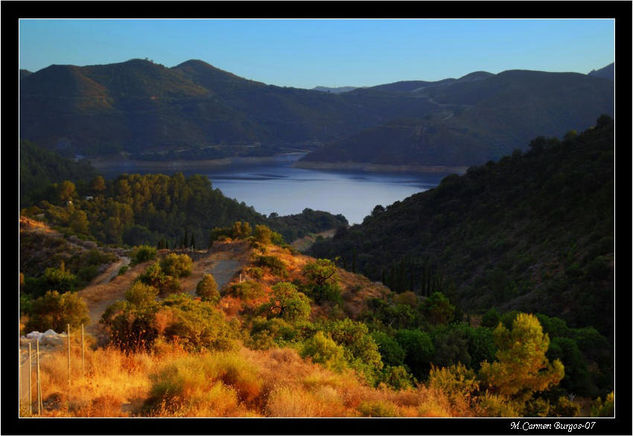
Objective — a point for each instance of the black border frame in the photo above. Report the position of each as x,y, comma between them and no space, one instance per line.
12,11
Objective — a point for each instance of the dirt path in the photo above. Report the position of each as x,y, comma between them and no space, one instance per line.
111,272
223,261
110,288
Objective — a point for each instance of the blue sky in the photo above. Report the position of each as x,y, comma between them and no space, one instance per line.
307,53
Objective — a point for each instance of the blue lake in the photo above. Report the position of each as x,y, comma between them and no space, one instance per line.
278,187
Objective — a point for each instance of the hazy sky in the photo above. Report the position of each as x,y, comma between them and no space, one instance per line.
307,53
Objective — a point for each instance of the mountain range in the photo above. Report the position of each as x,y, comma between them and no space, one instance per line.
197,111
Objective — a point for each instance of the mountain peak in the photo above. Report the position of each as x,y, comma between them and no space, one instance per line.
604,72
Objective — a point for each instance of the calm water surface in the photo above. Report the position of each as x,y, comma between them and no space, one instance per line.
278,187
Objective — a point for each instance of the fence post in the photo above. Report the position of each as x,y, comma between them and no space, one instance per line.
30,389
68,337
83,358
39,386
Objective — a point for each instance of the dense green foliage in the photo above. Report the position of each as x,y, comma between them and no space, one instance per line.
136,322
165,211
533,231
308,221
55,311
39,168
207,289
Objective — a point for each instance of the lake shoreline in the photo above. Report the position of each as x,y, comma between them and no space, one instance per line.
174,165
379,168
188,165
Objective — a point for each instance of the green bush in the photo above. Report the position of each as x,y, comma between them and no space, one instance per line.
378,408
275,264
419,350
397,377
123,270
322,349
246,290
207,289
391,352
54,311
143,253
177,265
154,276
197,325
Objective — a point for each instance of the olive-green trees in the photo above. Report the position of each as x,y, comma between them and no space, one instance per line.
521,367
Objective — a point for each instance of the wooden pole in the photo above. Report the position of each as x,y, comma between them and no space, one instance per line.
83,357
39,386
30,389
68,337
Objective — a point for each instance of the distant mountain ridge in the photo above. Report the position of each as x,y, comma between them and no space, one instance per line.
336,90
478,117
607,72
197,111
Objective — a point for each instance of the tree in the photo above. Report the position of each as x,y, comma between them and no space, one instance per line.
521,367
322,349
177,265
241,230
79,221
54,311
207,289
66,191
141,294
287,303
320,271
437,309
490,318
263,234
418,348
98,185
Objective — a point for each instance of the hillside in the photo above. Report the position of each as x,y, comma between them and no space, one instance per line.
283,334
197,111
39,168
140,107
604,72
477,118
532,232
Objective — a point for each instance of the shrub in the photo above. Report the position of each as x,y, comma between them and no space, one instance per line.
154,276
241,230
123,270
322,349
142,253
490,318
275,264
177,265
378,408
246,290
328,292
397,377
207,289
603,408
458,383
437,309
60,279
263,234
197,325
392,353
54,311
141,294
418,348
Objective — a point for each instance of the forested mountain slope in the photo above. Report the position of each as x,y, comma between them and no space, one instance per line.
479,117
197,111
532,232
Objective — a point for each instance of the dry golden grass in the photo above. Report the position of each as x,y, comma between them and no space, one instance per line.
171,382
